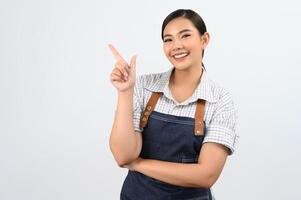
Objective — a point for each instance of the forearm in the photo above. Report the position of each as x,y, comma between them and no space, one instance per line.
187,175
123,140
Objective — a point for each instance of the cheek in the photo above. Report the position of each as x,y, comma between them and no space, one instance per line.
166,50
197,48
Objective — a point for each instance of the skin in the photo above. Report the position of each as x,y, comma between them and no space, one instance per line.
124,144
180,36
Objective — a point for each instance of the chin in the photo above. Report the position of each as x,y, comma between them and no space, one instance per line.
181,66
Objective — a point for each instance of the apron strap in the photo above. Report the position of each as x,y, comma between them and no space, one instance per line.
199,117
199,113
149,108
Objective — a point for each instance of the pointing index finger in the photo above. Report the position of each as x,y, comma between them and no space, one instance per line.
115,53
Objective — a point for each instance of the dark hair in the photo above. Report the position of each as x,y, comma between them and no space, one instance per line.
194,17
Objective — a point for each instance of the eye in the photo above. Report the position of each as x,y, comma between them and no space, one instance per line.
167,40
185,35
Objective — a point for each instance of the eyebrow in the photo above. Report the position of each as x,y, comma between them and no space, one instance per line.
182,31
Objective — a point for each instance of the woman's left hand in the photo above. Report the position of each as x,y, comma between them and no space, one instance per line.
133,166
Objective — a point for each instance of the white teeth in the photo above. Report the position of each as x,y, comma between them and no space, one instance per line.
181,55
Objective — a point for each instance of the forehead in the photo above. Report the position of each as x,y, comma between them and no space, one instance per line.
178,24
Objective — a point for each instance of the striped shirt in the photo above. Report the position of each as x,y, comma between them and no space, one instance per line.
220,114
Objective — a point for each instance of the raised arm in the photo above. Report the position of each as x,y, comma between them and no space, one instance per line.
125,143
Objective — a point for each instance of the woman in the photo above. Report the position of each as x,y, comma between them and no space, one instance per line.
172,130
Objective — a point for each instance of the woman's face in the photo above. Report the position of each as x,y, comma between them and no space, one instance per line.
183,44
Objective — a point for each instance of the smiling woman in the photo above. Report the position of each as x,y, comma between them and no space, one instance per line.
172,130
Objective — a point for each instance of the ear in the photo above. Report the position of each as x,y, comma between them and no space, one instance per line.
205,39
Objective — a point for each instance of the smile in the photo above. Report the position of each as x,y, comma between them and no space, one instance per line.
180,55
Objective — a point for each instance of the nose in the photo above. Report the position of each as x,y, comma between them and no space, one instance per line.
177,44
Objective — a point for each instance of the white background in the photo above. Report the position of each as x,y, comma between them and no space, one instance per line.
57,104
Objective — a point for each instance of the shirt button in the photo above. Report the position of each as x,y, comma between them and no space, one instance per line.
149,108
144,119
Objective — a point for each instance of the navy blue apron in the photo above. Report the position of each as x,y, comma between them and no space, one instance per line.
167,138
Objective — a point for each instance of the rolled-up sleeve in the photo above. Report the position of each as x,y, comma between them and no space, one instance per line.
222,127
138,103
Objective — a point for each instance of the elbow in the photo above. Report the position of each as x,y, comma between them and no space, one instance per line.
210,182
122,158
121,162
204,184
207,182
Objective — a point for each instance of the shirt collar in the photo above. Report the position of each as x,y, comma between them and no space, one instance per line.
203,91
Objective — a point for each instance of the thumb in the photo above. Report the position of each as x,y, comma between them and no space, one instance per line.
133,63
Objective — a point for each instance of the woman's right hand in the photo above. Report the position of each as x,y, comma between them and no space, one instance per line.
123,76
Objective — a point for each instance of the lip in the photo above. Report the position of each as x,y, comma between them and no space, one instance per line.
179,56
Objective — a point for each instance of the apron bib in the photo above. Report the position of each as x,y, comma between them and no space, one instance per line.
167,138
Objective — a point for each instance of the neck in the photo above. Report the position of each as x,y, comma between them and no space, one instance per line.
186,78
